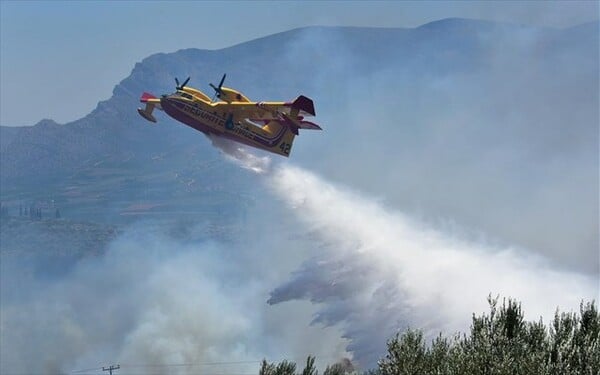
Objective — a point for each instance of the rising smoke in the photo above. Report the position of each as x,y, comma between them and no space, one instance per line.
344,260
378,271
153,304
350,271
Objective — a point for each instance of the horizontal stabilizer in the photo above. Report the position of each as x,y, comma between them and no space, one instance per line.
304,105
309,125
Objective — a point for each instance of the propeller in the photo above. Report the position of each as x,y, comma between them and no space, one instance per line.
180,87
218,88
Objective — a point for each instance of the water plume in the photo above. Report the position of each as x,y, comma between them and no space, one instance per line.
241,156
379,271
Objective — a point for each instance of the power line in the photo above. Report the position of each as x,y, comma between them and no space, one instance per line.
111,368
188,373
191,364
220,363
86,370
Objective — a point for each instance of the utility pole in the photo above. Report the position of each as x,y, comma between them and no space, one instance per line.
111,368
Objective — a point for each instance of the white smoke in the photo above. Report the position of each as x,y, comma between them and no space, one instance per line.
379,271
155,304
362,272
369,270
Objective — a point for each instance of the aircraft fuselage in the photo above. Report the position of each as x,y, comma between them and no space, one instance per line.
270,126
203,117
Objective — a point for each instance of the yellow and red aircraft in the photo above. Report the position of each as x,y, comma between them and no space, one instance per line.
269,126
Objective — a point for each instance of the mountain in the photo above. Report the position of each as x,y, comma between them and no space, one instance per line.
7,134
113,128
39,245
491,125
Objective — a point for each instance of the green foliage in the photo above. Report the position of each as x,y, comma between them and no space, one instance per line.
282,368
289,368
503,343
575,342
310,368
498,343
406,354
335,369
266,368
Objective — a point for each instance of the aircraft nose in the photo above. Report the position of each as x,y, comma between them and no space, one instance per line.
165,100
166,103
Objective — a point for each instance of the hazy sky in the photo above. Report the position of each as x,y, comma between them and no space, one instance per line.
59,58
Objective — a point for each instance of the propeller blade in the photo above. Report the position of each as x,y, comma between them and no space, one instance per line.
217,91
181,86
185,82
218,88
222,80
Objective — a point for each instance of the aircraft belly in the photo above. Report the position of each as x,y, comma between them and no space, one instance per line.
182,113
209,123
246,136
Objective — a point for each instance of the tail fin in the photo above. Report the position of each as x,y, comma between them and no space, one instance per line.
290,124
301,107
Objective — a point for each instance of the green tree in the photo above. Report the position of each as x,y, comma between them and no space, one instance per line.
502,342
310,368
406,354
335,369
282,368
288,368
499,343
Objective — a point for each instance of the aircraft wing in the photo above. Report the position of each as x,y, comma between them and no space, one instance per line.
150,99
151,103
265,110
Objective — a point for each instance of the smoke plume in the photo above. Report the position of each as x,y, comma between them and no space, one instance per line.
448,123
378,271
350,271
157,304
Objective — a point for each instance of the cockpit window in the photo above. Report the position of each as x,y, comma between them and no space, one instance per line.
187,96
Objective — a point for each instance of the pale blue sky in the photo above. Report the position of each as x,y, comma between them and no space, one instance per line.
59,58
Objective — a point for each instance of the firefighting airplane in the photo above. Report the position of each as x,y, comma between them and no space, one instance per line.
269,126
